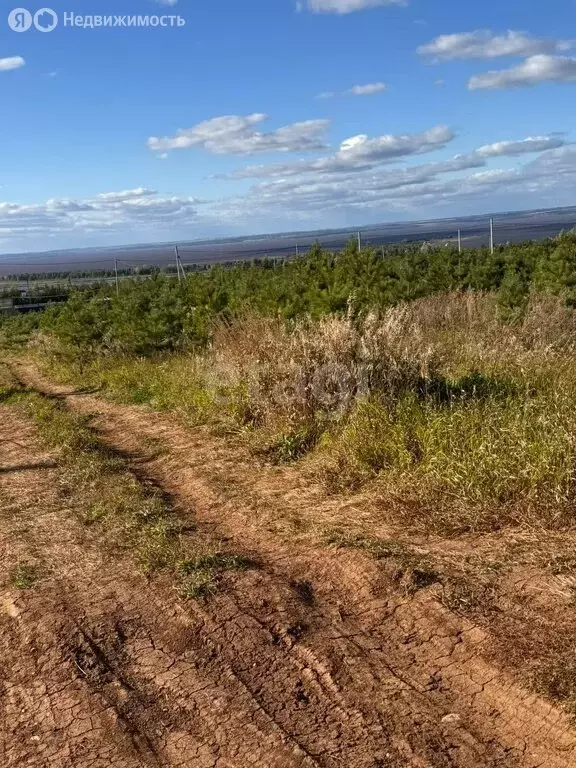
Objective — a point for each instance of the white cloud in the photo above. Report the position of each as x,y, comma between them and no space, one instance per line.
523,146
308,191
167,2
367,90
357,178
344,6
357,90
126,194
136,210
483,44
12,62
536,69
233,134
359,153
409,189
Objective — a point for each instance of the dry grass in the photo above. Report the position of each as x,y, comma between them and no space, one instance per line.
463,421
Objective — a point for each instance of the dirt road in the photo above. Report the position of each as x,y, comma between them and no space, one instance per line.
316,658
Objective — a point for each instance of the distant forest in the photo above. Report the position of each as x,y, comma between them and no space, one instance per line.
162,313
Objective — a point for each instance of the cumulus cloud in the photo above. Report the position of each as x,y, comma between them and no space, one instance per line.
358,177
484,44
139,209
12,62
359,153
409,189
126,194
233,134
536,69
303,193
523,146
343,6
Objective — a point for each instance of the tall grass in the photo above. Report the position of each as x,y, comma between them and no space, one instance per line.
460,418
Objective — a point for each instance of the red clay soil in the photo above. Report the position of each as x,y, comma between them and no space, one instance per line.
315,659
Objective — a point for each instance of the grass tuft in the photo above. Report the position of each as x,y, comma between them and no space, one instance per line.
24,576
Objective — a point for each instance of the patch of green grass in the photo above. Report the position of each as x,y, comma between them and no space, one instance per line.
164,382
10,394
294,443
10,389
136,515
24,576
474,464
198,584
200,575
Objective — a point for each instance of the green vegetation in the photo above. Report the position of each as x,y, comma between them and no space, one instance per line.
24,576
160,313
200,574
444,380
136,517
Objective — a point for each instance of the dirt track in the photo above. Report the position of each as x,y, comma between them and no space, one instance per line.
316,659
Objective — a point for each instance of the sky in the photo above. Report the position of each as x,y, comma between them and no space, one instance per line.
260,116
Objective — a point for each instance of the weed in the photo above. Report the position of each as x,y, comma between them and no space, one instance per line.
198,584
412,570
200,575
24,576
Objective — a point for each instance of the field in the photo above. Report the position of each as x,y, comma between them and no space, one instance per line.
509,227
319,515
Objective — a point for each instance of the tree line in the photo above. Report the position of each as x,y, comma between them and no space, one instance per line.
163,314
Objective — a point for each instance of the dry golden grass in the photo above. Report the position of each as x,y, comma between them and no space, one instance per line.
465,421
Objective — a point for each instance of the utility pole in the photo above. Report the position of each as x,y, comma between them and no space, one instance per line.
491,235
359,243
116,274
178,263
459,241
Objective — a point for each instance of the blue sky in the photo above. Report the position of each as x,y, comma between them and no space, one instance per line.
266,115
